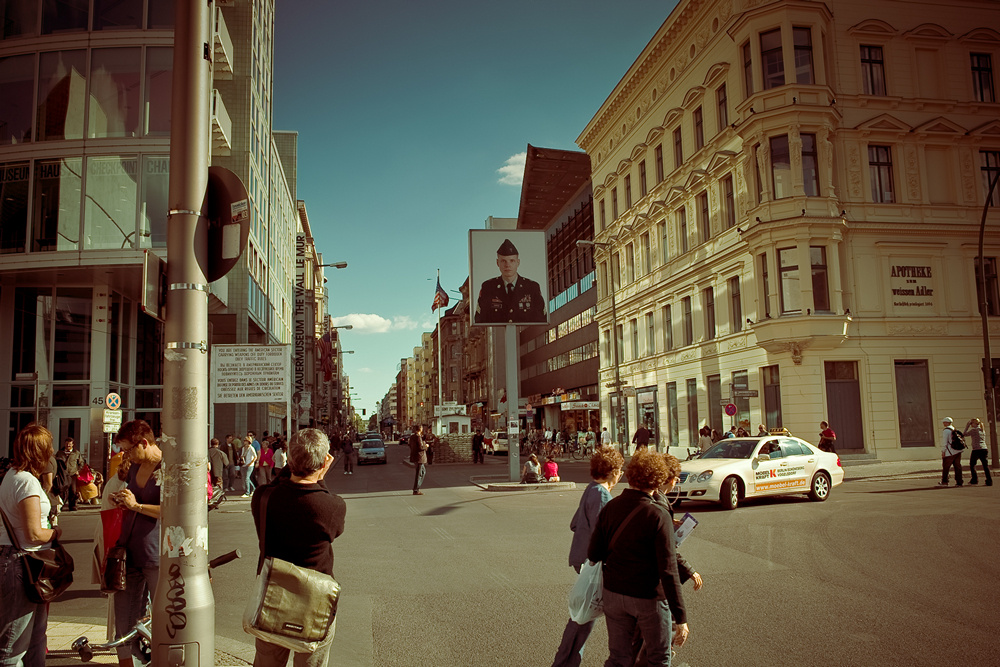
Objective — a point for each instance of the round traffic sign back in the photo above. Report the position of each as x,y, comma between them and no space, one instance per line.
113,401
731,409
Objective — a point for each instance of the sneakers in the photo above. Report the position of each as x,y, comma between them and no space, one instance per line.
942,483
245,495
418,493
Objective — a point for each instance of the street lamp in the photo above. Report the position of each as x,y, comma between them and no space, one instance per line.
335,265
348,327
991,417
616,413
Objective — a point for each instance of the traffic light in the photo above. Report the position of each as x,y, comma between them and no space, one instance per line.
363,412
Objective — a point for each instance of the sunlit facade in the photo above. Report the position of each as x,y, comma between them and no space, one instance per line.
84,172
791,195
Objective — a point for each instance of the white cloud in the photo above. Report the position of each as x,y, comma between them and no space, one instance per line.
512,172
364,322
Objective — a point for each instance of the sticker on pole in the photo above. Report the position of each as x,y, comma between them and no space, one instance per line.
730,409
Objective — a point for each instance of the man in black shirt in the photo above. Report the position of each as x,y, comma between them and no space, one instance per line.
642,585
418,457
303,519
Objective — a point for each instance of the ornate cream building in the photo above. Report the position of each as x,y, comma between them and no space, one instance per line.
787,196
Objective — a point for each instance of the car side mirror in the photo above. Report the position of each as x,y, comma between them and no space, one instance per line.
764,457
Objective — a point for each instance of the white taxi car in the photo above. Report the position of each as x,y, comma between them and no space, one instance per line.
735,469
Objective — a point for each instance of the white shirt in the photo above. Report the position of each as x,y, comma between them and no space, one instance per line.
946,442
605,437
18,485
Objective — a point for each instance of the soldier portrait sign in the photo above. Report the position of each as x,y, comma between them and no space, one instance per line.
508,277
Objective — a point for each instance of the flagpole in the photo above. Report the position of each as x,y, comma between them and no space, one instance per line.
440,345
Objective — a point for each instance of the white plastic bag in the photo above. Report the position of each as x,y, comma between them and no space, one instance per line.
586,600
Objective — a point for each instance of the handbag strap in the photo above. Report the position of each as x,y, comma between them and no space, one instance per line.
622,525
264,494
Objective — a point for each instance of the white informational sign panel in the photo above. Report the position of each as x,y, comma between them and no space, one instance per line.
251,373
508,277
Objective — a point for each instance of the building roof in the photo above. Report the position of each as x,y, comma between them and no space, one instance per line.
551,178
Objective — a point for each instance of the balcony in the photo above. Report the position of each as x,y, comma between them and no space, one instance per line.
222,48
795,333
222,127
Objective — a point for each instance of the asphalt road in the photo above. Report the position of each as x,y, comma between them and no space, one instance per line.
888,571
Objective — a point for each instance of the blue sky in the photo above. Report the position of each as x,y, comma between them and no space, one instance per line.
413,118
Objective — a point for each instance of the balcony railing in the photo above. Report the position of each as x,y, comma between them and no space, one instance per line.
222,48
222,126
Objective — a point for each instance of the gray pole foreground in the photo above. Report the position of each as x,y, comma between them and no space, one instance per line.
513,411
183,607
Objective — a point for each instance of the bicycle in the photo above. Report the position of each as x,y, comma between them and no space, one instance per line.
580,452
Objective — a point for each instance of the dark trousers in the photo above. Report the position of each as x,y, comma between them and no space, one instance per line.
349,461
979,455
477,456
955,460
68,493
418,477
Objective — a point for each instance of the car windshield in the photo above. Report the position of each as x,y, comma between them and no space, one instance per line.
731,448
371,444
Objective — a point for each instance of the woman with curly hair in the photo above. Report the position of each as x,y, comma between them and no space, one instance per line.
605,469
642,586
26,508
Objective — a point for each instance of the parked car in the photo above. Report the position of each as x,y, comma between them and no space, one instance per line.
500,443
736,469
372,450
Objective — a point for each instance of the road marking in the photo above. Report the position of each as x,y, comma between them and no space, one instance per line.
443,534
413,510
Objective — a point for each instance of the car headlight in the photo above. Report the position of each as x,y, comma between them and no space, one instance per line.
704,477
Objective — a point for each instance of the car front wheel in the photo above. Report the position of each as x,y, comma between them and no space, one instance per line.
730,496
819,490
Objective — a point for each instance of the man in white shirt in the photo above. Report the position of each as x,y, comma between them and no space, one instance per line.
949,457
605,437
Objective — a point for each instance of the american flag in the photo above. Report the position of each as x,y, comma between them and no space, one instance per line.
440,298
326,356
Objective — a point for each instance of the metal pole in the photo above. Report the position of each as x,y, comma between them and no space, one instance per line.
513,418
183,624
616,413
991,415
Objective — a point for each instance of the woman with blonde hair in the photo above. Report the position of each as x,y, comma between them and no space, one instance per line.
531,471
25,508
974,431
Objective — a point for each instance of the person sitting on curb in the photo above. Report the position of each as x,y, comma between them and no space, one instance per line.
531,472
550,470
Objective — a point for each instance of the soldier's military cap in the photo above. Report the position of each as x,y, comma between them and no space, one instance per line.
507,248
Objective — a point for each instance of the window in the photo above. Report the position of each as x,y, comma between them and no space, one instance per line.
17,79
692,399
650,335
633,327
606,348
735,305
704,224
616,271
741,380
765,284
629,264
990,161
14,180
756,171
982,77
992,292
66,16
781,167
604,220
159,79
614,203
59,114
820,281
56,210
602,276
117,15
802,43
672,414
646,253
772,396
747,69
699,130
773,66
810,165
788,272
110,208
658,155
153,202
708,303
662,226
114,92
687,321
620,341
723,107
678,149
880,172
728,202
643,190
668,329
682,228
628,191
872,70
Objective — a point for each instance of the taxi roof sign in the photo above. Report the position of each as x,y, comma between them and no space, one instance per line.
778,431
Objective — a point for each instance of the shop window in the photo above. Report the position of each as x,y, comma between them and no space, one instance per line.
17,81
714,385
741,380
57,202
72,331
62,80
